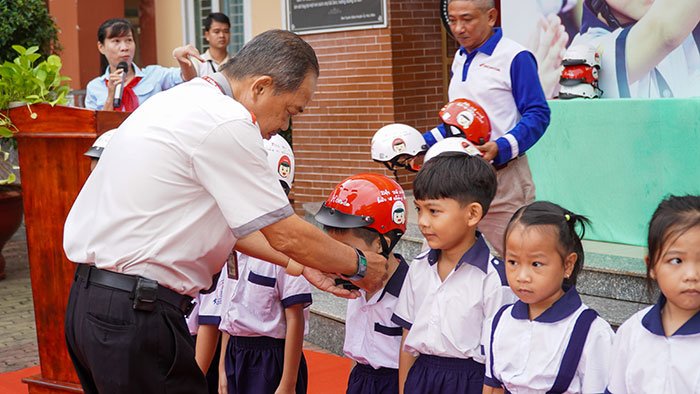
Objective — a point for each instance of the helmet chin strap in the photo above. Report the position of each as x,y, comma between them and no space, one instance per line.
391,165
394,237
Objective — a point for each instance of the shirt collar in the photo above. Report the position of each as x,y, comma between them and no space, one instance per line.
561,309
652,321
478,255
393,285
137,71
487,47
224,84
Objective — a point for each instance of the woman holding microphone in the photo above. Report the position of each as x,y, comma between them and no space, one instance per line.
124,86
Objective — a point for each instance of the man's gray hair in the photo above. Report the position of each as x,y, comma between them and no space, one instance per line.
483,5
279,54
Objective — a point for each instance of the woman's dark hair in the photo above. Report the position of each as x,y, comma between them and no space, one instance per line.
115,27
279,54
215,16
457,176
673,217
543,213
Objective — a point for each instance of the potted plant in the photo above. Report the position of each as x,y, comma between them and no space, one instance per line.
22,82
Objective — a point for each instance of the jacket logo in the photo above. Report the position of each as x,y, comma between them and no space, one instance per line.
484,65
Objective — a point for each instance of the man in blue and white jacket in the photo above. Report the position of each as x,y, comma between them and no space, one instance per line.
501,76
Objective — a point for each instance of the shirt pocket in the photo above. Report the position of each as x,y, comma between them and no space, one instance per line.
389,331
146,87
261,280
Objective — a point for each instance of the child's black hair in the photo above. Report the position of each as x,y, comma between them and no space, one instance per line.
673,217
366,234
215,16
548,213
457,176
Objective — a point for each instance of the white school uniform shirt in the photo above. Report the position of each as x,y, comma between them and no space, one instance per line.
207,307
253,305
527,354
677,75
452,318
645,360
371,337
183,178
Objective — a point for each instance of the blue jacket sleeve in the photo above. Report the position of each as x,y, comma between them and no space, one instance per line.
532,105
436,134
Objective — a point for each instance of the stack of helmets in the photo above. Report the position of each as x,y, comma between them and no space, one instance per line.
580,75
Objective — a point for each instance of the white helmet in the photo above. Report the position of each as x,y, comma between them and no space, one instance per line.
395,141
281,159
96,149
581,54
581,90
452,144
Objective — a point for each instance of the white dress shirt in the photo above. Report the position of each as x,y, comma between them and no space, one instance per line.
184,176
370,336
452,318
253,305
645,360
527,354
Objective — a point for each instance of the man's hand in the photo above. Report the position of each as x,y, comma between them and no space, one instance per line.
377,268
182,55
489,150
326,282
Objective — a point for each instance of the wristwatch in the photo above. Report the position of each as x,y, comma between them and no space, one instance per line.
361,267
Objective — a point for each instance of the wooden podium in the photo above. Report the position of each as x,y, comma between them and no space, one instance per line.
53,170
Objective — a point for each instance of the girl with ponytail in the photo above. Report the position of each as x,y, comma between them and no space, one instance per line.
548,341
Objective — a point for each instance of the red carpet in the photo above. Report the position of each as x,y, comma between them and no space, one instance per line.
328,374
11,382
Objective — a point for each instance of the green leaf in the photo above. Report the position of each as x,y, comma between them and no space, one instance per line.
20,49
31,50
5,132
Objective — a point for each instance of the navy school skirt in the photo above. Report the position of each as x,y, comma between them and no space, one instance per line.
444,375
255,365
364,379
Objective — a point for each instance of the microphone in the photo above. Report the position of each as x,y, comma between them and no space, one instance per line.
120,87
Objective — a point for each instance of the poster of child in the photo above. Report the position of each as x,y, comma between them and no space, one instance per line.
648,48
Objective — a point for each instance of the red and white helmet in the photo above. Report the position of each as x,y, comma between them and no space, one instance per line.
581,90
367,200
281,159
469,119
452,144
581,54
396,145
573,75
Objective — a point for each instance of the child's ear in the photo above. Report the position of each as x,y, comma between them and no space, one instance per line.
376,245
473,213
652,273
570,263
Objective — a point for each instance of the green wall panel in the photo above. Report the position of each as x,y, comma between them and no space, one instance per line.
615,160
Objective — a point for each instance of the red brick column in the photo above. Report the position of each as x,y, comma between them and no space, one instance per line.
369,78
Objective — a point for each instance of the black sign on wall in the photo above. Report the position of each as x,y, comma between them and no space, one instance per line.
333,15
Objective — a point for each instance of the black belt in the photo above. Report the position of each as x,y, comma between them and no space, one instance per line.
501,166
143,291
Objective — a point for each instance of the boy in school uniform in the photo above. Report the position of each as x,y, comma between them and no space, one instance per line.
453,289
264,313
368,212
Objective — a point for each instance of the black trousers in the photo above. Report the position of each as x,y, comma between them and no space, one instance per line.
116,349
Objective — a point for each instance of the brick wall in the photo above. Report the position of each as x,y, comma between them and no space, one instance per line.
369,78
